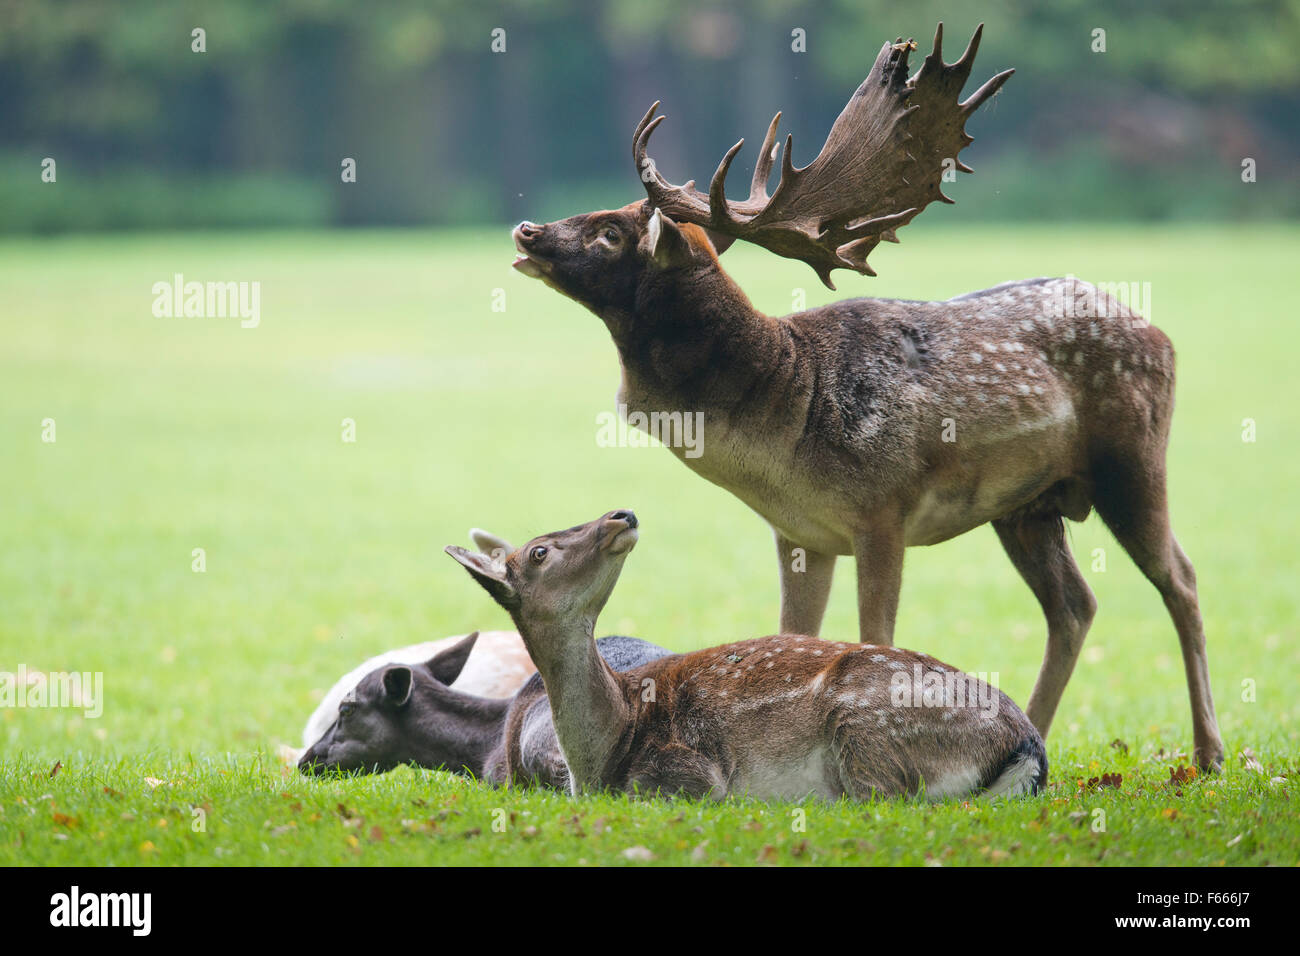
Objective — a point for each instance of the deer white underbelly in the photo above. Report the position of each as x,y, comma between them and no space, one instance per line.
791,779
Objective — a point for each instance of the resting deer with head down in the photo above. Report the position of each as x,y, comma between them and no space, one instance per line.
778,717
439,710
830,423
412,714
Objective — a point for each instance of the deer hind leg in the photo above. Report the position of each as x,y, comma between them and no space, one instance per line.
1036,544
1131,499
805,586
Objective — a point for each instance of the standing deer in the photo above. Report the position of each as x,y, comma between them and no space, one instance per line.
777,717
830,423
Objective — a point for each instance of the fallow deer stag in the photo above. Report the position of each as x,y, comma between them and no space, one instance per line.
778,717
871,425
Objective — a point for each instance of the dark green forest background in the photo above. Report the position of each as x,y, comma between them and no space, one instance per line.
251,133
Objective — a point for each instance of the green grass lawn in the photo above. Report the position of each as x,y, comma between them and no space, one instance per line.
175,434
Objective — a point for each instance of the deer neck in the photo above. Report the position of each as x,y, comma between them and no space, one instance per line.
468,726
590,711
695,339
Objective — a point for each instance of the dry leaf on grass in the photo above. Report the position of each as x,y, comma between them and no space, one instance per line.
1248,761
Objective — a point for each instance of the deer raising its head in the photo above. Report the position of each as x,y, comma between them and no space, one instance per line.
561,576
616,261
773,718
871,425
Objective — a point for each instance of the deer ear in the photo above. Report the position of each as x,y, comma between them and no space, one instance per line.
488,573
494,546
663,242
445,666
397,684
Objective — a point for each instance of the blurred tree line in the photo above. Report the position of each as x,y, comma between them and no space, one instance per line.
148,133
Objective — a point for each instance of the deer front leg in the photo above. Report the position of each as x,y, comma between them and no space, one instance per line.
805,586
878,552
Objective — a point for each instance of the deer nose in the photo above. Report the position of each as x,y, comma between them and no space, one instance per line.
628,516
528,230
311,764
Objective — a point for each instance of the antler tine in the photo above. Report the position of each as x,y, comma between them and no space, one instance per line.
640,127
967,59
938,42
972,102
718,208
766,158
641,142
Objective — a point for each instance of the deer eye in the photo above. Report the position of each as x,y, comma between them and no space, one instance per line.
538,554
346,707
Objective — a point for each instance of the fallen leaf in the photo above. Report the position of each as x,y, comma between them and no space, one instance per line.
1184,774
58,765
641,854
1248,761
1119,745
768,854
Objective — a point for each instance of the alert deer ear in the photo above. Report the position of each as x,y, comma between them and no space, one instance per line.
445,666
397,685
494,546
489,573
664,243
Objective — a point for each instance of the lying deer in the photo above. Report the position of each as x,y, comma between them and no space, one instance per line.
498,667
473,704
777,717
412,714
871,425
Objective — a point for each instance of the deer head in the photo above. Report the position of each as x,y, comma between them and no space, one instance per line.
605,260
399,714
559,577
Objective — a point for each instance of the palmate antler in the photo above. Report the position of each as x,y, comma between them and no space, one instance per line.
881,165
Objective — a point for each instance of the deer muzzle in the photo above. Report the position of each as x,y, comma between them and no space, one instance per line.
526,235
618,532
